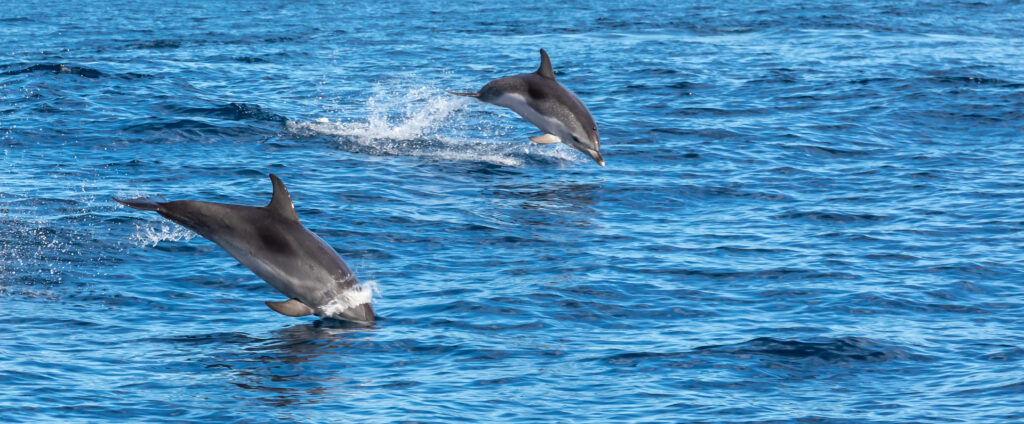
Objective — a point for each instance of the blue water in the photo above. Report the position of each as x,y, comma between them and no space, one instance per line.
811,212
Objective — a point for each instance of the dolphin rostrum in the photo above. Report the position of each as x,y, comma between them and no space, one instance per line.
542,101
273,244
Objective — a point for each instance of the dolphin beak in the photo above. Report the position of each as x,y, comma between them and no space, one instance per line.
597,157
362,314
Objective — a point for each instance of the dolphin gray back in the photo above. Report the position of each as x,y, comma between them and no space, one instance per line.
209,219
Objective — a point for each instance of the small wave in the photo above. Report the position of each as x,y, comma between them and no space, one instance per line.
231,112
134,75
1010,389
827,151
250,59
835,350
158,44
833,217
246,111
959,80
149,236
176,125
58,68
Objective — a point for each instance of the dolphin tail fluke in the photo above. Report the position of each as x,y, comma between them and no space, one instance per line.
143,203
462,94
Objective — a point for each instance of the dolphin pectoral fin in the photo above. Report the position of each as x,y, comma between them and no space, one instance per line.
291,307
546,139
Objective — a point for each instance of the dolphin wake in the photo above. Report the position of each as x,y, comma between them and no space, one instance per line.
425,122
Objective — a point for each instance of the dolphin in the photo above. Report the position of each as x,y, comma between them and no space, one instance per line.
273,244
542,101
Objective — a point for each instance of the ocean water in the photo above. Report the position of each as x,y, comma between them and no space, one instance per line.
811,212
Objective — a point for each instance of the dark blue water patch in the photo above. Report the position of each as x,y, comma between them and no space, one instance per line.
230,111
56,68
834,217
786,358
250,59
158,44
837,351
135,75
1007,354
1011,389
202,339
191,127
869,303
212,126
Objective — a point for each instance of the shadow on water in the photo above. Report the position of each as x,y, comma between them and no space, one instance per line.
299,364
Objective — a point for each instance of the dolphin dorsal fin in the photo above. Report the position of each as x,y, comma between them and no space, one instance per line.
545,66
281,202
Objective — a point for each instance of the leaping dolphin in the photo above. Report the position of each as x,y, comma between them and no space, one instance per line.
274,245
542,101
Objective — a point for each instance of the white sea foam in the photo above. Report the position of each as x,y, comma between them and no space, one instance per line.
359,294
396,115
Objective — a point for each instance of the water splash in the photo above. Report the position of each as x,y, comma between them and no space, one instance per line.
397,114
359,294
37,248
34,252
150,236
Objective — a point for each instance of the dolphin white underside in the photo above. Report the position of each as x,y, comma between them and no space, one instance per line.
545,123
312,288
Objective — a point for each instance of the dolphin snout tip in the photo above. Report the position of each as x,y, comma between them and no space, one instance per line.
362,314
456,93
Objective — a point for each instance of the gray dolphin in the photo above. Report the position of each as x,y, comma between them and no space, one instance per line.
274,245
542,101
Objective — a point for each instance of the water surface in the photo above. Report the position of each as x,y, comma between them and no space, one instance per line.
810,212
